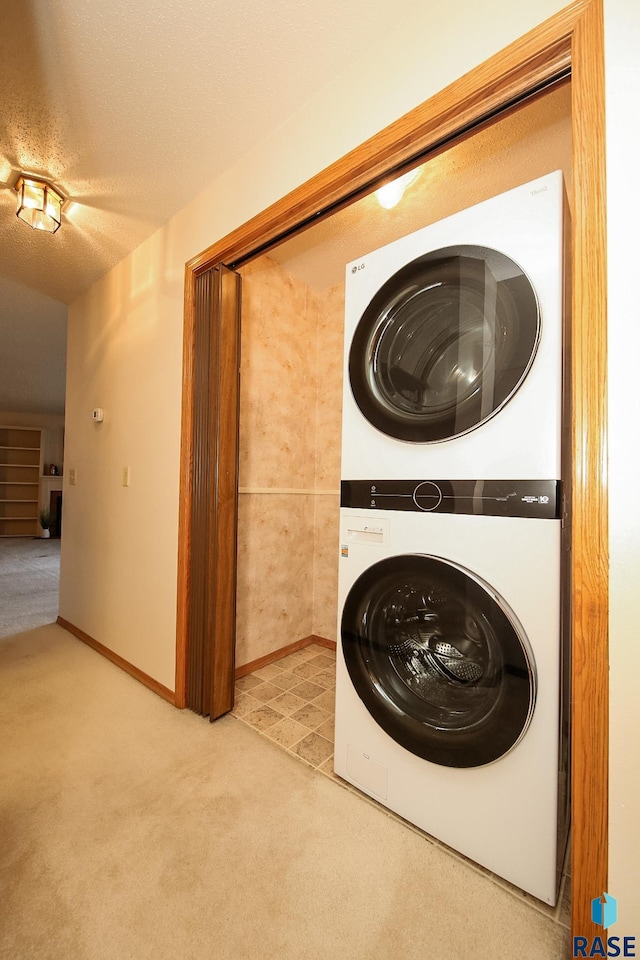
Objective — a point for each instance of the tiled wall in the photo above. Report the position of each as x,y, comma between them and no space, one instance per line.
290,403
327,461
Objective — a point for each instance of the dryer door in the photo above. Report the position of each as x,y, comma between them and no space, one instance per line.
439,660
444,344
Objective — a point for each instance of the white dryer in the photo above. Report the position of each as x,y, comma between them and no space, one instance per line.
453,345
450,668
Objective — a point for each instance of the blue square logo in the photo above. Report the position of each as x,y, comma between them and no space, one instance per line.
604,910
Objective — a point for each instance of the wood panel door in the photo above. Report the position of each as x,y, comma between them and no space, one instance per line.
214,502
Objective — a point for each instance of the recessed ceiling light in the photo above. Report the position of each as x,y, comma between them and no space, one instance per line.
391,194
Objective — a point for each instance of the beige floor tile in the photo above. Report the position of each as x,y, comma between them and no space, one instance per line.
323,662
305,670
326,701
267,673
287,704
311,716
327,729
285,680
262,718
287,732
326,678
305,653
325,651
244,703
314,749
307,690
290,661
246,683
265,691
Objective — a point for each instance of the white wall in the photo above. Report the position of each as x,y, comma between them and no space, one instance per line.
622,40
119,565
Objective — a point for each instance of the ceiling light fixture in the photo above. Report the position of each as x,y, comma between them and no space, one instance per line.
391,194
39,204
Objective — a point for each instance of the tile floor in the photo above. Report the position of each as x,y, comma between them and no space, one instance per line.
292,701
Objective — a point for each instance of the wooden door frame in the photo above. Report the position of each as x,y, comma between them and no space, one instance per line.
571,41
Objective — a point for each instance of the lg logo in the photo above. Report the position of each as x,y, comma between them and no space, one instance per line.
357,267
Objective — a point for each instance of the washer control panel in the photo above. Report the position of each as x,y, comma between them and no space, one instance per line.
539,499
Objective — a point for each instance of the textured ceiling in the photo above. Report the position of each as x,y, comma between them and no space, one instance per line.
133,108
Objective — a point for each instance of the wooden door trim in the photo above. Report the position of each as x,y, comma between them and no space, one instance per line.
186,496
590,529
571,40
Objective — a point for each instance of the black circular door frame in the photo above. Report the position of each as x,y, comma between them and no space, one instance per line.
444,344
439,660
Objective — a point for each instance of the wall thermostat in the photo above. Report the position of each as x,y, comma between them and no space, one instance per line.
98,415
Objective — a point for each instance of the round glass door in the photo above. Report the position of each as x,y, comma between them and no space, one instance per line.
439,660
444,344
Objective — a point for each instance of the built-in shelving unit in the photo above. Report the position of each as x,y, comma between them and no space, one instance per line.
20,467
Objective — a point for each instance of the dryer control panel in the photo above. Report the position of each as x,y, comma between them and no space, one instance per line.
535,499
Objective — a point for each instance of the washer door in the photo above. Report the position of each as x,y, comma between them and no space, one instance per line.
444,344
439,660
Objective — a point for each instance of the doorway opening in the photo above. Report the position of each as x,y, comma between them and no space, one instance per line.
292,368
572,40
31,455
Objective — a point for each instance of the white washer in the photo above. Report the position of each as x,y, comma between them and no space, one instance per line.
449,672
453,345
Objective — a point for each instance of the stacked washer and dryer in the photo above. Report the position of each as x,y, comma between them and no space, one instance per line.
451,701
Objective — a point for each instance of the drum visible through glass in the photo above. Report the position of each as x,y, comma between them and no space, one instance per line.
441,664
444,344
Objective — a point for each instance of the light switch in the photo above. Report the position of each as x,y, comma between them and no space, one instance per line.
125,476
72,476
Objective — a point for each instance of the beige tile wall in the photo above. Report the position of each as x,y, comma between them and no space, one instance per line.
327,461
290,402
278,386
275,570
329,350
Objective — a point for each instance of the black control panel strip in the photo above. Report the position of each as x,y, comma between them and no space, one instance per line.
539,499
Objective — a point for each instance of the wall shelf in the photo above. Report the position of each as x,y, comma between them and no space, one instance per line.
20,469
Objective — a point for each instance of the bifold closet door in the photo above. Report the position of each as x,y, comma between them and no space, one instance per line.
212,562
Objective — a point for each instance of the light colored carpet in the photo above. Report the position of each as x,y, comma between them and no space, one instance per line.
134,830
29,583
